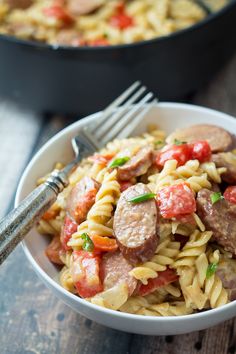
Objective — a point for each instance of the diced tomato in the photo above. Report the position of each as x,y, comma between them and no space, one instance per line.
50,214
98,42
101,159
230,194
85,203
201,151
120,19
182,239
175,200
180,153
125,185
166,277
85,273
69,227
56,11
105,244
53,250
186,219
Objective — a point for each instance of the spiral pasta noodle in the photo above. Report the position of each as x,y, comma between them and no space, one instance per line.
175,278
165,255
101,211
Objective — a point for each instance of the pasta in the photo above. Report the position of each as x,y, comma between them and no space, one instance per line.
151,253
165,255
76,23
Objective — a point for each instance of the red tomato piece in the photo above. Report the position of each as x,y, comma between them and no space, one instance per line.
230,194
58,13
175,200
53,250
85,273
166,277
104,244
121,21
201,151
101,159
124,185
98,42
69,227
180,153
186,219
50,214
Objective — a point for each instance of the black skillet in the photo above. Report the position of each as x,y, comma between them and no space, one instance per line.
83,80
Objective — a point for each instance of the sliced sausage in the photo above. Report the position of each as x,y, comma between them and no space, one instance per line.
227,160
135,225
82,7
115,269
19,4
53,250
220,218
68,37
226,271
218,138
137,165
81,198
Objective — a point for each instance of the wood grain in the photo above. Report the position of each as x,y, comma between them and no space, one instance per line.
34,321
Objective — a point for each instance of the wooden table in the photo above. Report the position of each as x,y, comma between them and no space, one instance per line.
32,319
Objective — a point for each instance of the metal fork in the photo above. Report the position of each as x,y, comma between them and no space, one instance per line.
118,120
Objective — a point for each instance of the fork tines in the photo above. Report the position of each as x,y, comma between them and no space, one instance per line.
123,115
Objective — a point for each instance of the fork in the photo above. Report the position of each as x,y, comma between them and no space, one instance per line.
118,120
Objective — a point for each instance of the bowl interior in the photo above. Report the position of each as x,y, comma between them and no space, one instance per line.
168,116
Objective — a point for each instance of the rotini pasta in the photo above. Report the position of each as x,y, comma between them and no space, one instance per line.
99,23
142,244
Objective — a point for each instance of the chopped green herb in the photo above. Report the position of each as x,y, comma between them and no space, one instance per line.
159,142
211,269
178,142
120,161
142,197
88,243
215,197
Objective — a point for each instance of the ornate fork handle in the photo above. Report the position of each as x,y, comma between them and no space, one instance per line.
19,221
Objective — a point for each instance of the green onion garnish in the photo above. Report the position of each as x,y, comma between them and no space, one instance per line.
159,142
120,161
142,197
88,243
215,197
179,142
211,269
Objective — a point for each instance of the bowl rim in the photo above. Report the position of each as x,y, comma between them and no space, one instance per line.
66,294
40,45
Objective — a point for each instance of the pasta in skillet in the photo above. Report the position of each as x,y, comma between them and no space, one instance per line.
99,22
147,227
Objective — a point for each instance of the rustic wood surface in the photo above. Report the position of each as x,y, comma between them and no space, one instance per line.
32,319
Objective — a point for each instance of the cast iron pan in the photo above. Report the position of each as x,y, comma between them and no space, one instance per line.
84,80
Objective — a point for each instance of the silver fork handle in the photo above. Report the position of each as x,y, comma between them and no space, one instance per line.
19,221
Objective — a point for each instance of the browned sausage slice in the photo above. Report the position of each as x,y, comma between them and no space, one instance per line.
220,218
19,4
82,7
226,271
81,198
228,160
53,249
218,138
135,225
115,269
137,165
68,37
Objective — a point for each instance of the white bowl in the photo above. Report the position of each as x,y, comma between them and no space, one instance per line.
168,116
